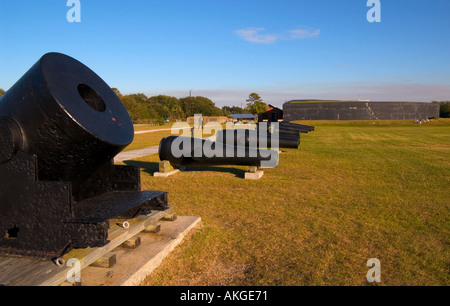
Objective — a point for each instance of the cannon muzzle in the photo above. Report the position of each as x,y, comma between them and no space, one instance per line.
67,117
60,127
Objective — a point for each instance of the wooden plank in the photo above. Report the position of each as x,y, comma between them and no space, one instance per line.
29,272
152,229
106,261
5,262
132,243
170,217
22,269
133,266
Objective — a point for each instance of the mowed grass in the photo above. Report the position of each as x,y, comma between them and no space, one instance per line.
149,136
353,191
147,140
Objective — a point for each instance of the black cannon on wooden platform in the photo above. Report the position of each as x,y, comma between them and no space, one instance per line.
192,152
60,127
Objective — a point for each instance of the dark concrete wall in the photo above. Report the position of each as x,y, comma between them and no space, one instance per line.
348,110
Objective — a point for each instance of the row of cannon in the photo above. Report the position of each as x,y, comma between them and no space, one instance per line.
248,147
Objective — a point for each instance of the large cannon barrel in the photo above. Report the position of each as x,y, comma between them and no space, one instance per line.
67,116
287,132
192,152
256,139
60,127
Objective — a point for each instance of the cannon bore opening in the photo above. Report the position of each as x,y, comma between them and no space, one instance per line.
91,98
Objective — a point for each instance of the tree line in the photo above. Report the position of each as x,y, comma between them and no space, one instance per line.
160,109
445,108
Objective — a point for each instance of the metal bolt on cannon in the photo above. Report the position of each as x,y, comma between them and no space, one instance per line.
61,126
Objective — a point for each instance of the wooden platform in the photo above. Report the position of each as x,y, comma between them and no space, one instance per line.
30,272
134,265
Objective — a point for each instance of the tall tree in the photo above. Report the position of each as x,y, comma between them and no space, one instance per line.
117,92
230,110
135,104
445,109
255,104
165,107
199,105
1,92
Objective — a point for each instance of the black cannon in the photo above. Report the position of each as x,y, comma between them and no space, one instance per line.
60,127
283,132
287,130
192,152
256,139
301,127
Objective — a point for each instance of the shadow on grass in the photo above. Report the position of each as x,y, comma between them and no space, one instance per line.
237,172
152,167
149,167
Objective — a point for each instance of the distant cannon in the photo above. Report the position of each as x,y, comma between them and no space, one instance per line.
301,127
60,127
287,130
283,132
192,152
256,139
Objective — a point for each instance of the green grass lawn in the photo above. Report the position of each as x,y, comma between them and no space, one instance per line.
147,140
151,139
353,191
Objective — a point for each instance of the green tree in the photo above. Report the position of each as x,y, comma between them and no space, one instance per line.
199,105
444,108
255,105
1,92
232,110
162,107
176,112
117,92
226,110
135,104
157,108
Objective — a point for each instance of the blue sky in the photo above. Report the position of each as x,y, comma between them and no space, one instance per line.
224,50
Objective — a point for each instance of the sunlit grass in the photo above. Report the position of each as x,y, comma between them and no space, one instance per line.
353,191
153,137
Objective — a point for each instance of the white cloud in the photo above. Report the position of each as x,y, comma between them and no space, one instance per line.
304,33
254,35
